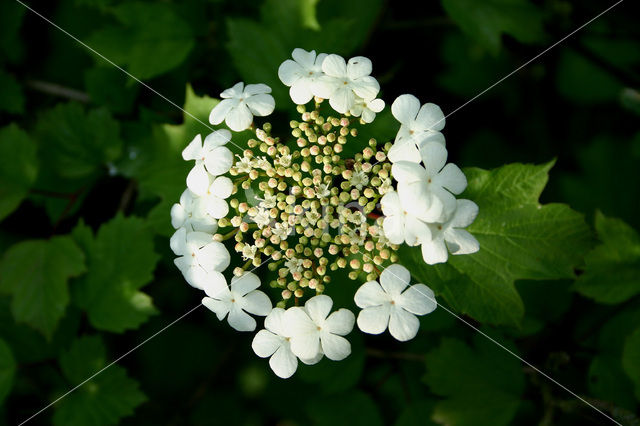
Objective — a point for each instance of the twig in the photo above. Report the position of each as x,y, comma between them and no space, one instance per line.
58,90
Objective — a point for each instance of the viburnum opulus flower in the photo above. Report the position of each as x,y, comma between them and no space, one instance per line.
274,230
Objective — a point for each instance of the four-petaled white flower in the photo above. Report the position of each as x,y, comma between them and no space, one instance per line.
399,225
214,200
428,191
190,215
359,179
262,218
237,300
240,104
419,125
366,110
301,74
312,329
388,304
342,82
282,230
294,265
450,235
211,156
201,258
274,342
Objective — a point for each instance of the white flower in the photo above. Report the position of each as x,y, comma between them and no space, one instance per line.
200,256
366,110
284,160
322,190
449,235
399,225
389,304
244,165
427,191
419,125
274,342
312,329
188,214
294,265
359,179
268,202
236,301
343,82
210,157
249,251
213,201
282,230
301,74
262,218
240,104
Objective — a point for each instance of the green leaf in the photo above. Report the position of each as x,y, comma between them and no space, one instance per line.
631,359
36,273
106,398
18,167
108,86
519,239
7,370
417,413
11,47
612,269
74,143
481,385
486,21
150,40
12,99
607,381
120,261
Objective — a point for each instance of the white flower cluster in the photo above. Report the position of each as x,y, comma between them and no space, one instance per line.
316,211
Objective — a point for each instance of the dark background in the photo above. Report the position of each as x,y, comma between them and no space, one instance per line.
577,103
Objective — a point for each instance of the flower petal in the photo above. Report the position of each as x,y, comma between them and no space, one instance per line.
198,180
221,309
217,138
335,348
434,157
289,72
394,279
390,204
220,111
233,92
340,322
274,322
193,150
434,251
452,178
261,105
301,91
404,150
405,108
265,343
430,117
219,161
240,320
370,294
418,299
305,346
178,242
245,283
318,308
394,228
298,323
178,216
239,118
304,58
335,66
366,87
415,231
216,207
222,187
257,303
403,325
214,257
408,172
284,363
358,67
215,286
256,89
342,99
460,241
374,320
466,212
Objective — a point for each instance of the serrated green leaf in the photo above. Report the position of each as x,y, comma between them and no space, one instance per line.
18,167
631,359
519,239
103,400
36,274
7,370
75,143
612,269
12,99
486,21
150,40
482,385
121,260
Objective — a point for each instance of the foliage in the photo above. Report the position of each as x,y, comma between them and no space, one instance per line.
90,165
